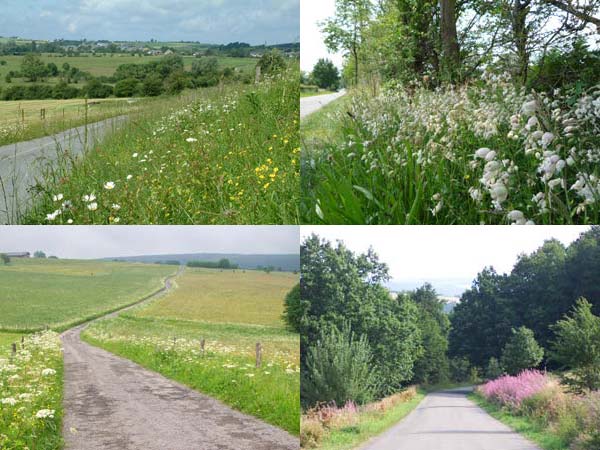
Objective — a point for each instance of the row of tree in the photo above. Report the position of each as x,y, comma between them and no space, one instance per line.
450,40
359,342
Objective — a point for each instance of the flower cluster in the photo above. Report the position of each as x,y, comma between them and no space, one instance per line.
512,390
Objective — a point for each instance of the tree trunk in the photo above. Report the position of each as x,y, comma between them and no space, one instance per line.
450,48
521,36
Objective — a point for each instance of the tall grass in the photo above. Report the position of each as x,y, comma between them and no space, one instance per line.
489,153
228,156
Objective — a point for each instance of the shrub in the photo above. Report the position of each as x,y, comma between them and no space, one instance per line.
589,439
493,369
294,308
521,351
127,87
272,62
460,369
338,369
311,433
512,390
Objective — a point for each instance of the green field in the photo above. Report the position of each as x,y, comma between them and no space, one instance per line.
60,293
166,336
105,65
224,155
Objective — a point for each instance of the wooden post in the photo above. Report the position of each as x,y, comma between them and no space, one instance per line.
202,342
257,74
23,117
14,350
258,355
22,341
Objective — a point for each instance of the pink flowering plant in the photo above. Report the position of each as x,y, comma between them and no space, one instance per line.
512,390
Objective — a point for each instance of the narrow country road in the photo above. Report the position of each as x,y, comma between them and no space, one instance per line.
22,163
309,105
114,404
448,420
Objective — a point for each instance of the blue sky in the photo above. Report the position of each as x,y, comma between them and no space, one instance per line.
207,21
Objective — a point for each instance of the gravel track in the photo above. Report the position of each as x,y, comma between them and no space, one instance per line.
112,403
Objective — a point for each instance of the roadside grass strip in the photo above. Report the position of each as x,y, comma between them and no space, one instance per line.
31,390
224,369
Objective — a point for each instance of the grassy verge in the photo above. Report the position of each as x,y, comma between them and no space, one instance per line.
533,431
370,423
31,393
321,126
225,370
231,156
315,93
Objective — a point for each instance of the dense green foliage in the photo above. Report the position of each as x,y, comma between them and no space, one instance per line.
223,263
341,288
294,309
577,346
337,368
326,75
521,351
541,288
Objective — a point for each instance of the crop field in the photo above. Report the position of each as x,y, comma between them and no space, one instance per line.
227,155
249,297
43,292
105,65
167,335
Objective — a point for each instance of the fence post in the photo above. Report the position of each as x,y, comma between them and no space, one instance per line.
257,74
23,117
258,355
22,341
202,342
14,350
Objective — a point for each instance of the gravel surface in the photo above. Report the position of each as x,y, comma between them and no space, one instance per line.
114,404
309,105
21,163
448,420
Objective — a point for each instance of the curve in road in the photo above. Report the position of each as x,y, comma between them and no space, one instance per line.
309,105
449,420
112,403
23,163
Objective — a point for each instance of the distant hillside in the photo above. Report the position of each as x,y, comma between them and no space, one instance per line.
287,263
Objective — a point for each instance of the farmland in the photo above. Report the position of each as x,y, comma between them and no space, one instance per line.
105,65
166,336
225,155
39,292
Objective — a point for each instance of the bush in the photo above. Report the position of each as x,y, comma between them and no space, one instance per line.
272,62
294,309
460,369
95,89
521,351
152,86
512,390
589,439
493,369
127,87
338,369
311,433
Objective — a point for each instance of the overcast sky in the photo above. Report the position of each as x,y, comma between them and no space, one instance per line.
107,241
207,21
312,47
457,253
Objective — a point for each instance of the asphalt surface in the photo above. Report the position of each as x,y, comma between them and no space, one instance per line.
23,163
448,420
309,105
114,404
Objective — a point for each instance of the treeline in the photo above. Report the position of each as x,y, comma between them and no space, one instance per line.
165,76
223,263
541,43
539,291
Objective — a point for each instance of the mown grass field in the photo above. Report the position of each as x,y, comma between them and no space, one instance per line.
225,155
105,65
60,293
166,336
249,297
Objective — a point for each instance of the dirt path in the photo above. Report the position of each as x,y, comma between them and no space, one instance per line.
309,105
114,404
449,420
22,163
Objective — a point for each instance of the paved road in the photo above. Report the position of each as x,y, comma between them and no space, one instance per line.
23,163
309,105
448,420
113,404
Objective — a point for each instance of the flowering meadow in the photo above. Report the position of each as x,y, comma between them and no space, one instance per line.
31,394
225,369
484,153
568,420
226,155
